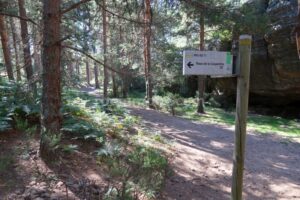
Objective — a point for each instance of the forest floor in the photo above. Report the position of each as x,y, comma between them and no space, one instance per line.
24,175
200,159
203,162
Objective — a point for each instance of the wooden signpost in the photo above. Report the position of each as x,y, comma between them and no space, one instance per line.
219,64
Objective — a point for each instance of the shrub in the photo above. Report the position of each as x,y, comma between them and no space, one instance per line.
168,103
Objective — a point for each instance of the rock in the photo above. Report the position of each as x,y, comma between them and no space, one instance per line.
275,66
54,197
59,184
39,198
32,183
19,191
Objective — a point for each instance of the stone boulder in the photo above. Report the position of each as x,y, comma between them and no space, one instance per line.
275,66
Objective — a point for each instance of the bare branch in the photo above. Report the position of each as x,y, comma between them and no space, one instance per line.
19,17
74,6
121,17
94,59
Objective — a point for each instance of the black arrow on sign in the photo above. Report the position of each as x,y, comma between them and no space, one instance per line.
190,64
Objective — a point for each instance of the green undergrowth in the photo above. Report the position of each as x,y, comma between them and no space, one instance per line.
214,115
126,149
16,104
258,123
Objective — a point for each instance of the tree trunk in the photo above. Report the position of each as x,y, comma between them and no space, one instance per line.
15,38
5,47
37,50
77,66
297,31
104,23
87,65
114,85
96,72
26,46
122,67
51,98
201,79
125,82
147,53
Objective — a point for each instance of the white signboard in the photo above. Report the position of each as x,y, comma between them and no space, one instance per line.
207,63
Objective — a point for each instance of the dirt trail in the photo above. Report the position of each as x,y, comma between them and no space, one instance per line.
203,161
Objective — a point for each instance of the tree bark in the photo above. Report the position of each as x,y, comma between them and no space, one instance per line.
51,59
125,82
124,68
15,38
5,47
201,79
37,50
87,66
77,66
96,73
297,31
147,53
26,45
104,23
114,85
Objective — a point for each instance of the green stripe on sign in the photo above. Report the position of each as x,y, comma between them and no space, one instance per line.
228,58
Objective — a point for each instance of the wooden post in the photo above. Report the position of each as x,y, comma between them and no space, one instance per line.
241,116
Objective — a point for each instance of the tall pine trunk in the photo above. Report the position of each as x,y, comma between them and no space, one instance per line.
15,38
125,81
124,68
87,67
104,23
201,79
51,59
96,71
5,47
26,46
147,53
37,50
114,84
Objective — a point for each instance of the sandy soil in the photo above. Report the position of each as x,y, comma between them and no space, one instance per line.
203,161
77,176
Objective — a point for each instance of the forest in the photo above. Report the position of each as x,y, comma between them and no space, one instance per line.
95,102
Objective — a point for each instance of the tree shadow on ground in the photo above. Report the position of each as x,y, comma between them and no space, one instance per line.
10,179
204,153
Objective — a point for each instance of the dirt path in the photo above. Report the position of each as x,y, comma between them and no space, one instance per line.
203,161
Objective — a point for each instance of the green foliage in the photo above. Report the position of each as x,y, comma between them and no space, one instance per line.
110,149
82,129
53,140
21,124
6,162
16,104
142,170
70,148
168,103
258,123
4,125
251,19
147,158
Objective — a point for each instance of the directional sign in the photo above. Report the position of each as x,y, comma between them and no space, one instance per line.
207,63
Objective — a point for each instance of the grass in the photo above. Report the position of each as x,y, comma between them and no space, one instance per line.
257,123
129,157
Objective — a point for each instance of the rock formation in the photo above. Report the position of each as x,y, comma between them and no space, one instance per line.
275,66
